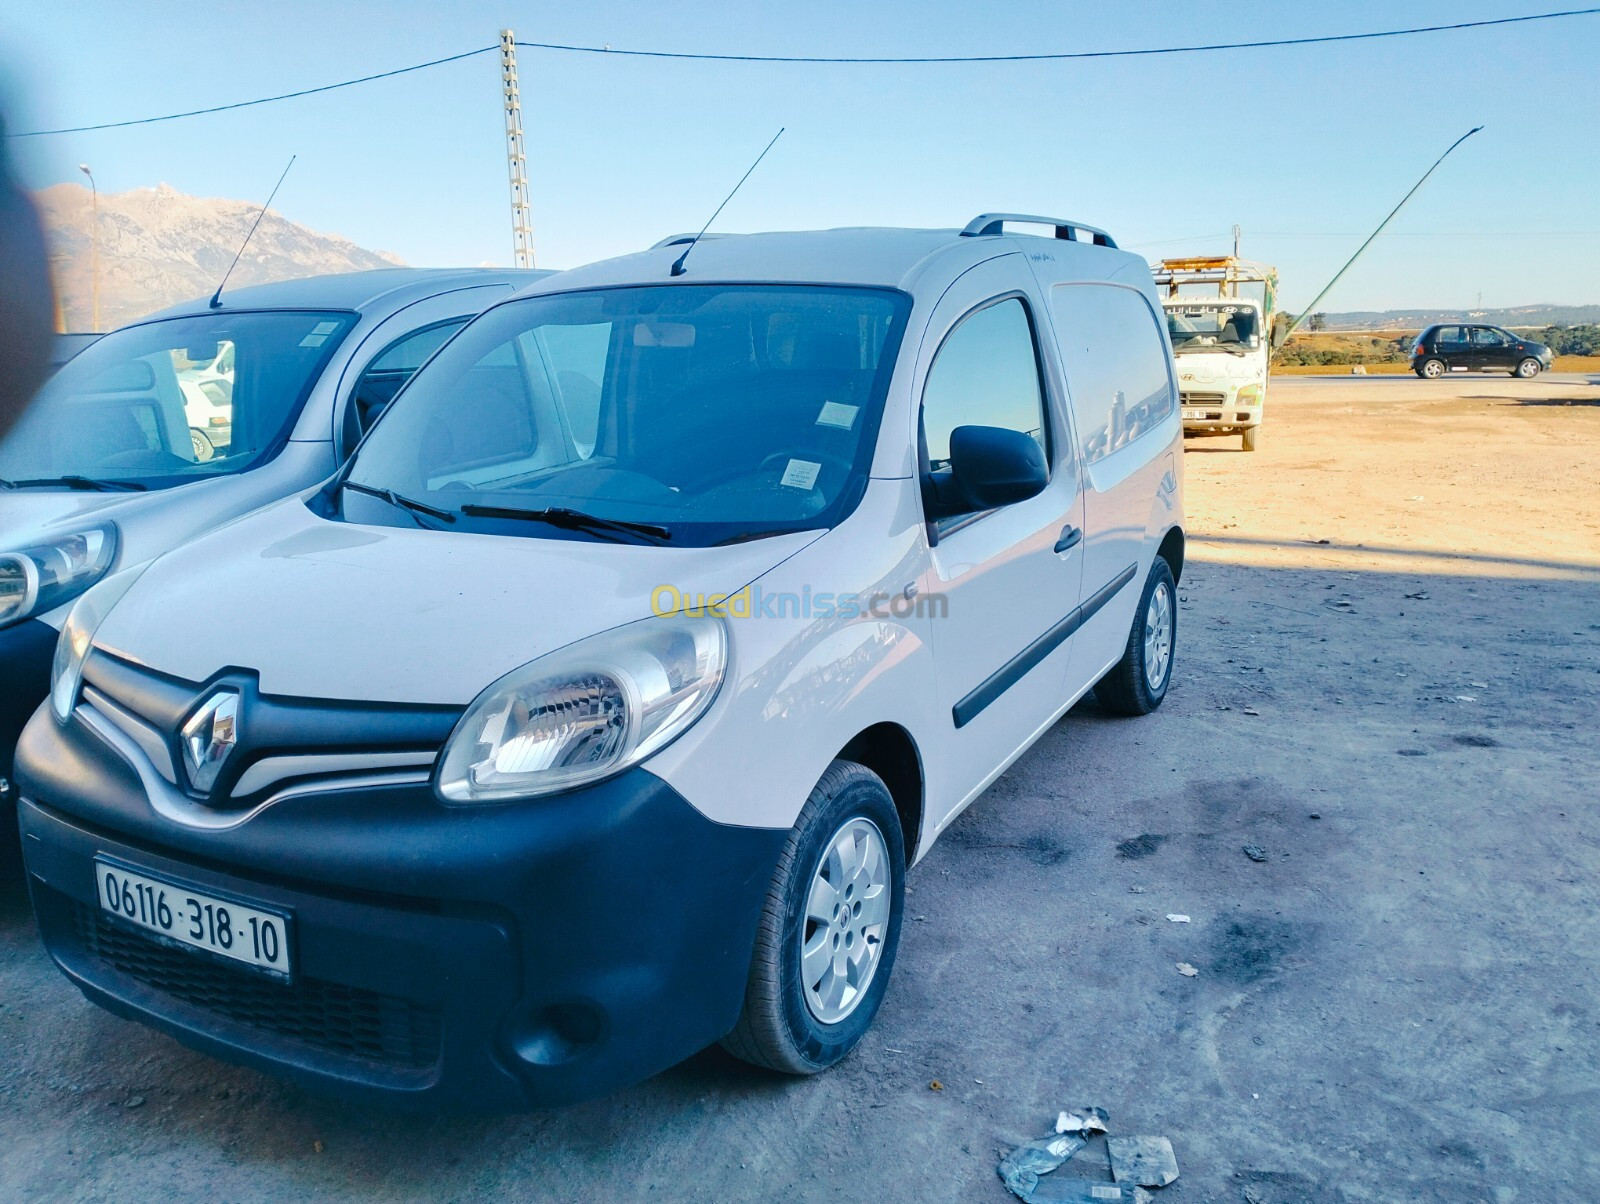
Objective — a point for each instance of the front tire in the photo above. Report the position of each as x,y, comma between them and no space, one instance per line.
1527,369
1250,438
829,930
1138,683
1431,369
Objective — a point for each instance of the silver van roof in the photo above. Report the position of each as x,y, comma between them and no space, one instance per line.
350,290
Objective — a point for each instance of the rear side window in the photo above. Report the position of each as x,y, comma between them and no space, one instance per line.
1450,336
1117,367
986,374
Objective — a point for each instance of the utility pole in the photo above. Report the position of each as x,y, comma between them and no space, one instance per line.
521,210
94,246
1236,241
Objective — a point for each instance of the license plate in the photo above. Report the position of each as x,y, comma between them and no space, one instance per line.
1194,413
180,914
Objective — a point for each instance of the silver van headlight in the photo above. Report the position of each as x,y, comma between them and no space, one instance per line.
586,711
77,637
37,579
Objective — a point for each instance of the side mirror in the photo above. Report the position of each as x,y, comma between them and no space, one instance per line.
1278,331
990,466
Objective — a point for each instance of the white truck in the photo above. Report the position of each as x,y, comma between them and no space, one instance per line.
1220,312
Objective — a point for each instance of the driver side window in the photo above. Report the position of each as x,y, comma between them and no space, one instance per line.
986,373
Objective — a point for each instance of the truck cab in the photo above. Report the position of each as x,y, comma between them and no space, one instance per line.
1221,340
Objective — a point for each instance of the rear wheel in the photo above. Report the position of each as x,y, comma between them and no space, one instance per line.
1138,682
828,933
1250,437
1432,369
1527,369
204,449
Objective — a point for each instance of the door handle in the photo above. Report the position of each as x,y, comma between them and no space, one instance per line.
1070,537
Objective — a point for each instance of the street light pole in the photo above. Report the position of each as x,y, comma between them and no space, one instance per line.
94,244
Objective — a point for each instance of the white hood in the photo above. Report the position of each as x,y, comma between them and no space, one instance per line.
387,614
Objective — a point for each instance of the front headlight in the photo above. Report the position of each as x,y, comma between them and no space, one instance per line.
34,580
1250,395
77,637
586,711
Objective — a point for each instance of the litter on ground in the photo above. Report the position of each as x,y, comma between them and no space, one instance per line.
1134,1164
1147,1161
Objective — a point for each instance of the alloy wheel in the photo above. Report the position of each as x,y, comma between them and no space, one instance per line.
847,912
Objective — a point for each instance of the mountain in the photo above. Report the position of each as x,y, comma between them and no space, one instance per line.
1416,319
159,246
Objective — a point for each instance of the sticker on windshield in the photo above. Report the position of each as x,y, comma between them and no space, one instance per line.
801,474
838,414
319,334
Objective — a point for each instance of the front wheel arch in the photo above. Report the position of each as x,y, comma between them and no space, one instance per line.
890,752
1171,550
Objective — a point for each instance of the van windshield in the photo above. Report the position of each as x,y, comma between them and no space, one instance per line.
1218,326
700,414
161,403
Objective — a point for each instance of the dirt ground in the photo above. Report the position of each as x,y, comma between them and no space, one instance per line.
1388,680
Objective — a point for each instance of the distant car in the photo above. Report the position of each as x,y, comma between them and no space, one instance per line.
1473,347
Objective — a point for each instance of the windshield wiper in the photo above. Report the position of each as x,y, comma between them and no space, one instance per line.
411,506
748,536
77,482
571,520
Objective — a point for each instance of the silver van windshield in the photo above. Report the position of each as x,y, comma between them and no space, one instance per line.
161,403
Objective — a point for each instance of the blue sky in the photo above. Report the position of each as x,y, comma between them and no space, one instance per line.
1306,148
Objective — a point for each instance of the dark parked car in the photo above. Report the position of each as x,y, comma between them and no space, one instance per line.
1473,347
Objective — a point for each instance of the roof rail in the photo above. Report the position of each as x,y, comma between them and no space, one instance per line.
987,225
677,240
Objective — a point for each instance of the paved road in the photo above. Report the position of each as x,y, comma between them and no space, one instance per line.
1397,1004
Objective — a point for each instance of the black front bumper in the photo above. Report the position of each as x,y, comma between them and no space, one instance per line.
485,958
26,650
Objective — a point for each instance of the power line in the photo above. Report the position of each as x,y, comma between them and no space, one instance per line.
567,48
265,100
1080,54
1428,233
1387,234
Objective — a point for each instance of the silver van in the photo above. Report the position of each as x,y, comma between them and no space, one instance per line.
178,423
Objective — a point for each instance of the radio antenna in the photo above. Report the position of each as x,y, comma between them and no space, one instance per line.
677,267
1327,288
216,297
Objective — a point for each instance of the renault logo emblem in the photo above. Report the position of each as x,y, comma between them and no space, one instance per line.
209,738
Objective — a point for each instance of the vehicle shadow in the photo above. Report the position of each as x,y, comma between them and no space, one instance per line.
14,906
1544,401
